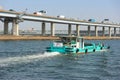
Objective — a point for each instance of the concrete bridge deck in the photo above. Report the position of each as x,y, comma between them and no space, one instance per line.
16,17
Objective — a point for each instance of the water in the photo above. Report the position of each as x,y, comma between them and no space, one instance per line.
26,60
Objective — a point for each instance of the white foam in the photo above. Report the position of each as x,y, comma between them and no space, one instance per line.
27,58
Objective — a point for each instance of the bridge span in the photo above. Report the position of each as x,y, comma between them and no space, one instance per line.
16,17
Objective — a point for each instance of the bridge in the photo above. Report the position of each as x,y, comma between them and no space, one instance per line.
16,17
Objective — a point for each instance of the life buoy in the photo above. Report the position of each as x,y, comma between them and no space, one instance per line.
77,50
108,47
93,50
86,50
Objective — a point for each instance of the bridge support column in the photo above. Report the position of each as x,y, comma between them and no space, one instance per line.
114,31
77,30
43,28
96,31
6,27
109,31
103,31
89,30
119,30
15,30
52,29
69,29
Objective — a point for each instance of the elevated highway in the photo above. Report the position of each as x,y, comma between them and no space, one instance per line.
16,17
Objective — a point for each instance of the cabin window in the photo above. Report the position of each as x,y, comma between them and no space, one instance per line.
56,44
88,44
73,42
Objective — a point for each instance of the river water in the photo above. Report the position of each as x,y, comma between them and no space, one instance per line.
27,60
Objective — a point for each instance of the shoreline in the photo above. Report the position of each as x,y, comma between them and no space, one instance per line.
10,37
101,38
6,37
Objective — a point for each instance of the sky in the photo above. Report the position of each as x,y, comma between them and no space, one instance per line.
77,9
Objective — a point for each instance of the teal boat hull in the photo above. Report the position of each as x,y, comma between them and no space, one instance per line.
73,45
70,50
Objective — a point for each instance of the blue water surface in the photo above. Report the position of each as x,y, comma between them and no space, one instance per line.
27,60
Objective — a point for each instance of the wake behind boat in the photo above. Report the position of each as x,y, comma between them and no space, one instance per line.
74,45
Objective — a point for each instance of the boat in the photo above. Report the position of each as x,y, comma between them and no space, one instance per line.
74,45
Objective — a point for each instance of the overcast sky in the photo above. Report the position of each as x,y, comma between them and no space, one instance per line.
78,9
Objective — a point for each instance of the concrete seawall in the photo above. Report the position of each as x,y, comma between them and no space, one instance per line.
100,38
9,37
28,38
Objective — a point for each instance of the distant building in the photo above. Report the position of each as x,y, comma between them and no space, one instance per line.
1,7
